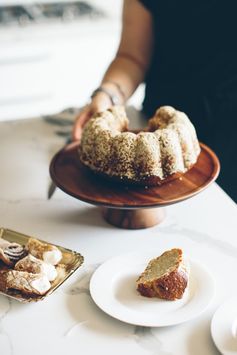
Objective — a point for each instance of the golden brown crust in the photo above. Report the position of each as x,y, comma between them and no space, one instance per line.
171,285
3,280
148,181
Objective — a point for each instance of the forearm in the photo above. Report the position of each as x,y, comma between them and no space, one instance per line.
129,67
125,71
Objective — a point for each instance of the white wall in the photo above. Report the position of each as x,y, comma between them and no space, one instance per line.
46,68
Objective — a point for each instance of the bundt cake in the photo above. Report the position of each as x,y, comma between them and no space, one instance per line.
166,148
165,277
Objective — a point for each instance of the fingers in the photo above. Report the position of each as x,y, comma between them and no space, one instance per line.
81,120
100,103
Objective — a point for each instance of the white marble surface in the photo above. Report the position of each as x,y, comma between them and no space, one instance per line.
68,321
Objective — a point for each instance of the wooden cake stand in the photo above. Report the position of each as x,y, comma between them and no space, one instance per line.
128,206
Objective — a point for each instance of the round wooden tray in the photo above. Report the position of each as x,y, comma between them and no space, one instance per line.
130,206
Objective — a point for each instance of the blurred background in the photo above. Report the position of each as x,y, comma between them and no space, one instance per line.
54,53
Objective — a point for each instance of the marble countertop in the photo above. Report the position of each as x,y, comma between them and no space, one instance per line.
68,321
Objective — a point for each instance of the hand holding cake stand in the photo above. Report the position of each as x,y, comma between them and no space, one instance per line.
130,206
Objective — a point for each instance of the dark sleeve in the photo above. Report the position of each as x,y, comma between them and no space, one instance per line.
148,4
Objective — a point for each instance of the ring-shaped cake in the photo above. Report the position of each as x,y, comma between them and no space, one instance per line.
167,148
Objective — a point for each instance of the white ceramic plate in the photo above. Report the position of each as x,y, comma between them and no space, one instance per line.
224,327
113,289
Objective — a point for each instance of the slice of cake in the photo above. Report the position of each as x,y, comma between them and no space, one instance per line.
165,276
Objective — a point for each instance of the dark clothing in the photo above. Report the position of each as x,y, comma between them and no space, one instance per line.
194,69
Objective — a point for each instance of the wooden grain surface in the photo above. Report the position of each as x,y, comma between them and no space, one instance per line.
69,175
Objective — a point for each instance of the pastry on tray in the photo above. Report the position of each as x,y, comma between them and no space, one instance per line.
49,253
26,282
31,269
28,269
10,253
165,277
36,266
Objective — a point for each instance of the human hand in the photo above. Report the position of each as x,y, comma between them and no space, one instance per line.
99,103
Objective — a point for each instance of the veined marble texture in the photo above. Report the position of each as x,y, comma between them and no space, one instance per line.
68,320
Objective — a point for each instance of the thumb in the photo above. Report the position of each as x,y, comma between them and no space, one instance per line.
81,120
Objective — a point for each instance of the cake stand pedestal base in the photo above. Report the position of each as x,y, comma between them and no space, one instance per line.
134,218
